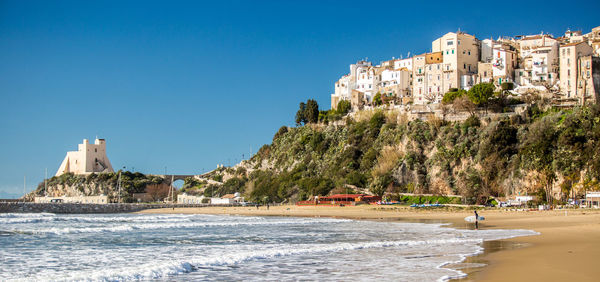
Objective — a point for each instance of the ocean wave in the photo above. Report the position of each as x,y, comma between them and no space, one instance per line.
162,269
161,225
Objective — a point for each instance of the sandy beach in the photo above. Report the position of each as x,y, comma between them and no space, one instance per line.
566,249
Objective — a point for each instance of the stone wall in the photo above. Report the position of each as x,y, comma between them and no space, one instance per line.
27,207
68,208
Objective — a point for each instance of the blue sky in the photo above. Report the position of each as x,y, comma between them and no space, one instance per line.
190,84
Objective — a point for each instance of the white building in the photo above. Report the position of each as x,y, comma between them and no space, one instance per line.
102,199
228,199
502,60
87,159
539,62
190,199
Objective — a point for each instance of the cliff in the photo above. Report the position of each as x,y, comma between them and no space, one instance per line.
70,185
554,154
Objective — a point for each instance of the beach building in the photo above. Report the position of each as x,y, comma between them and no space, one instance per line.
101,199
89,158
592,200
184,198
341,199
228,199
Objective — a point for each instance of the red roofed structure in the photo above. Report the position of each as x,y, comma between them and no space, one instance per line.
341,199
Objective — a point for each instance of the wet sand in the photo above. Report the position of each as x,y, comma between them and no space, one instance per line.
567,248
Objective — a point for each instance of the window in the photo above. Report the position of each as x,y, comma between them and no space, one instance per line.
96,150
464,66
438,67
446,52
469,53
458,42
438,77
449,43
485,73
447,76
568,72
452,51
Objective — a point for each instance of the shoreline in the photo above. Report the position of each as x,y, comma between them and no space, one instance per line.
566,248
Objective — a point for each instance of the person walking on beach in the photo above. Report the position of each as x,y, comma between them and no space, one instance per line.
476,220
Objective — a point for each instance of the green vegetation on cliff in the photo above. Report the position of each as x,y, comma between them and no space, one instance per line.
69,184
554,154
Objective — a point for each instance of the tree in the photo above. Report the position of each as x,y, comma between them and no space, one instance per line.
377,99
480,93
311,113
463,103
343,107
158,191
450,96
300,114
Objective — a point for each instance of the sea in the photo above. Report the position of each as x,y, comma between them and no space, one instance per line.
177,247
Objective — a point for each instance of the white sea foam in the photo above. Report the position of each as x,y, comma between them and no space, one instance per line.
195,247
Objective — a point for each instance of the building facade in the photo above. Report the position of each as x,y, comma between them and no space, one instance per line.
89,158
569,75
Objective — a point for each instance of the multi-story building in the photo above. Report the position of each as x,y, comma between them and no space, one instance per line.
594,39
569,56
395,84
588,79
460,53
348,83
538,66
428,72
459,60
498,62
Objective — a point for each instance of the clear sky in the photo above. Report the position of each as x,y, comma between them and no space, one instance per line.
187,85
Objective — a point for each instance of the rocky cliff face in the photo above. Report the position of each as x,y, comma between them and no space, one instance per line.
95,184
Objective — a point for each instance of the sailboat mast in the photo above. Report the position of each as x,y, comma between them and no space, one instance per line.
172,189
119,185
46,183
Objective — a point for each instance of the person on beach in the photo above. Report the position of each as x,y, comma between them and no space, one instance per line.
476,220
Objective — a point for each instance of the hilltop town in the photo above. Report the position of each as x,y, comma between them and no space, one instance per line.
565,69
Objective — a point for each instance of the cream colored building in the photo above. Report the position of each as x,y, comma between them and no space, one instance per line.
102,199
345,86
588,80
539,64
499,61
87,159
191,199
569,56
460,57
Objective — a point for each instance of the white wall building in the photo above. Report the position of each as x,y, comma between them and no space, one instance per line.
87,159
101,199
